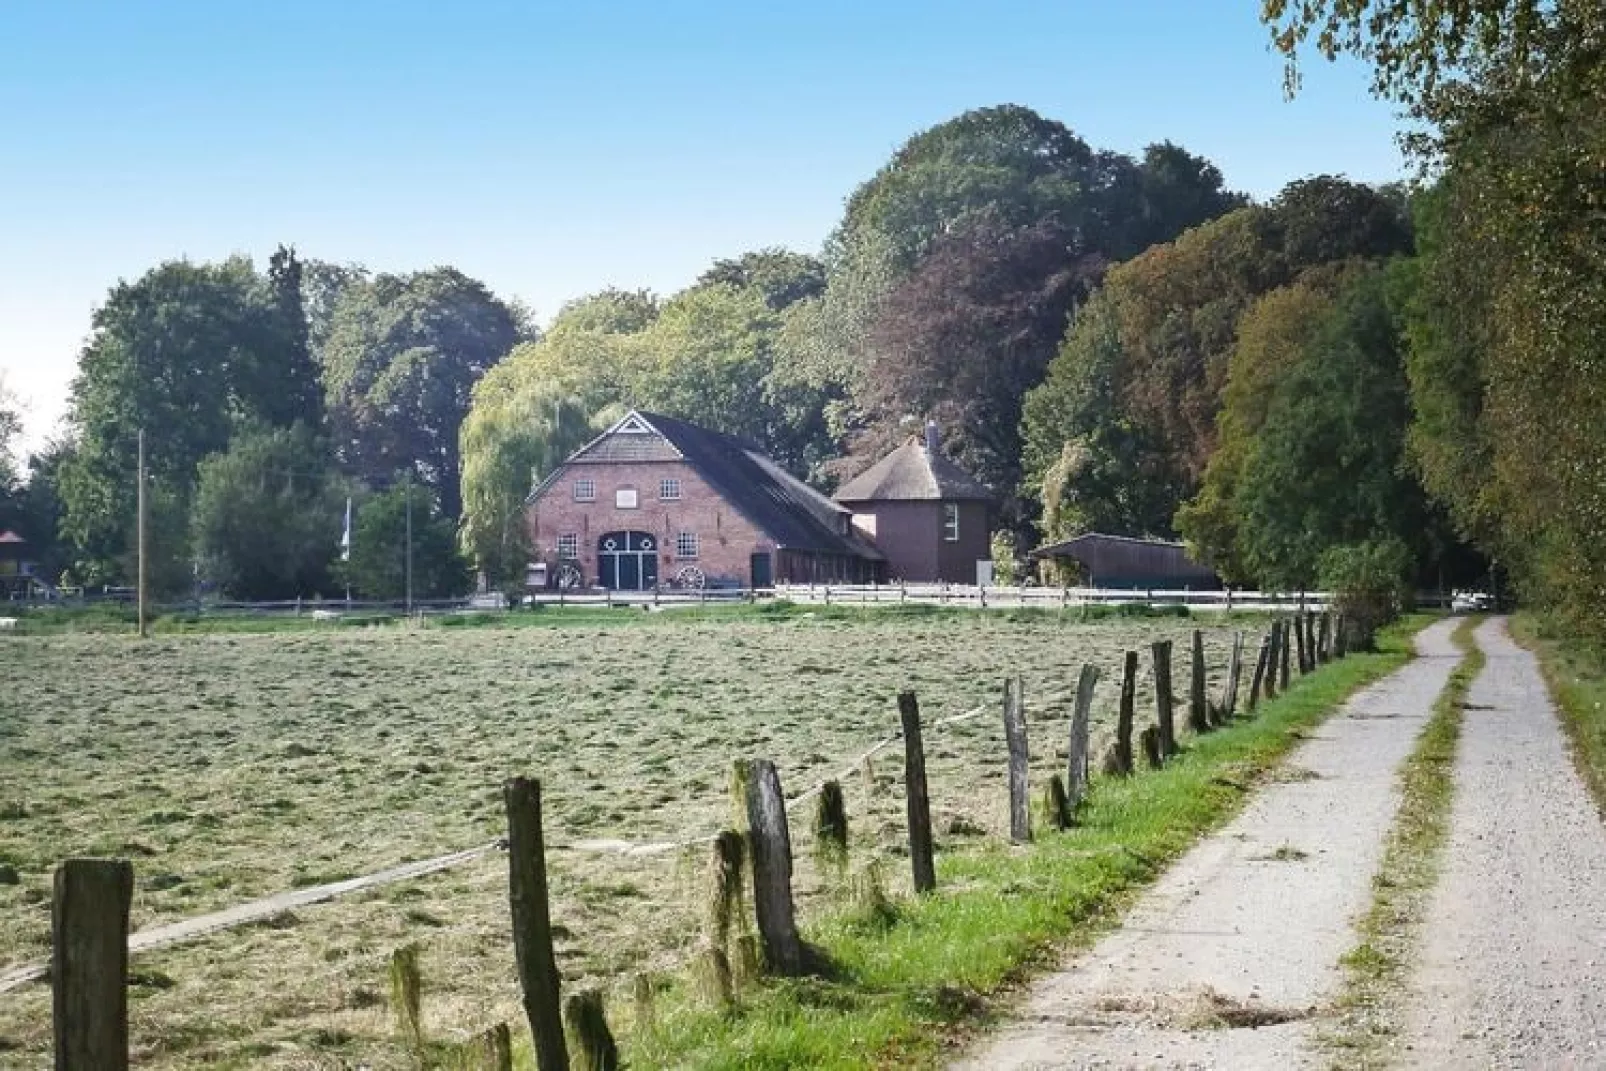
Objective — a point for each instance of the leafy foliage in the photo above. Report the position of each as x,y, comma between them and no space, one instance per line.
964,337
400,363
267,515
185,353
379,547
1506,318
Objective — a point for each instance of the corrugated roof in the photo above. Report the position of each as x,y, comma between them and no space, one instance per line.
913,472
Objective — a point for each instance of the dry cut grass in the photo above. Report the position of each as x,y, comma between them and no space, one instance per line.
230,767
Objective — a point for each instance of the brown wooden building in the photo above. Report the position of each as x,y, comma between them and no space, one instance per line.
1110,561
657,501
926,514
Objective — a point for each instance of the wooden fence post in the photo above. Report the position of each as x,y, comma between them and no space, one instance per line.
1324,637
914,777
89,963
1150,739
1282,678
771,844
1123,723
1301,644
532,922
1198,715
1229,696
1310,641
1081,724
1259,678
1273,654
1161,650
1340,637
1020,812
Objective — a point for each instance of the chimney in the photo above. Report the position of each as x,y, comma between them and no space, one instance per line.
933,441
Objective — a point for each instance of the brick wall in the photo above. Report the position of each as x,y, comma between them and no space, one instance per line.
726,540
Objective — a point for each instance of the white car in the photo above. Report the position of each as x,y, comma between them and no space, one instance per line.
1471,602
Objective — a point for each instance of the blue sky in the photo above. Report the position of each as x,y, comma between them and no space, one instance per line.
555,149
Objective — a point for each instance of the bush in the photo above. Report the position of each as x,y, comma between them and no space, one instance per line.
1369,585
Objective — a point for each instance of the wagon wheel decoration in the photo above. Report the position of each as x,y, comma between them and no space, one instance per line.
689,576
568,577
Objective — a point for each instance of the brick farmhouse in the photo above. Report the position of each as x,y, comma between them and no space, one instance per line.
656,501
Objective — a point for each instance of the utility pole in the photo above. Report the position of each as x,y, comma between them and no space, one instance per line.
139,525
409,542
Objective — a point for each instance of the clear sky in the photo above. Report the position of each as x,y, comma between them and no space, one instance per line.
553,149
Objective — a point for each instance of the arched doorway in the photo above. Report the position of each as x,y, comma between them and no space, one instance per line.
628,561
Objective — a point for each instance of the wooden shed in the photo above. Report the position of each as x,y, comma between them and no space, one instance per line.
1111,561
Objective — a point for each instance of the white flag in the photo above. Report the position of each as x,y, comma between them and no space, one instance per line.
345,539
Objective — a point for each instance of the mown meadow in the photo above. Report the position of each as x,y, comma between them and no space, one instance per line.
232,766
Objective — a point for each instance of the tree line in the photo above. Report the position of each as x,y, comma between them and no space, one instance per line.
1342,385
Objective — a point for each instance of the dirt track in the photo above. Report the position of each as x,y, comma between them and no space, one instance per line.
1247,929
1513,962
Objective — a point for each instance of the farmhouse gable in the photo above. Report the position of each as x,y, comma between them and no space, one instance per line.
658,501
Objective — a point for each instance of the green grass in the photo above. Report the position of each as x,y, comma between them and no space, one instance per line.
231,765
902,991
1576,674
1375,969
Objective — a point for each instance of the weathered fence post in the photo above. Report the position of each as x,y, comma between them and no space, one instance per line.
1300,643
1340,636
1198,714
771,848
1123,722
595,1049
1310,641
1282,679
1150,739
1020,816
1229,687
914,777
1261,657
89,963
1324,637
1161,650
532,922
1081,726
1273,654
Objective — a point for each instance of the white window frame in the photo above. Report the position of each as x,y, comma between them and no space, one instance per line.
669,489
585,490
950,522
568,548
626,498
684,540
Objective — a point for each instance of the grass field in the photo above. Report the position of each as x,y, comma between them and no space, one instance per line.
232,766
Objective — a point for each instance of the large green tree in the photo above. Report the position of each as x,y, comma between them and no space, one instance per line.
267,515
400,363
1507,328
1162,349
381,549
520,427
185,353
1326,466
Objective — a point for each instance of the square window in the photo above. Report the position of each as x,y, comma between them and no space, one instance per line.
568,547
950,522
669,490
625,498
686,545
585,490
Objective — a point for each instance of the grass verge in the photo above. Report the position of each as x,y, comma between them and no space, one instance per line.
912,978
1374,970
1576,675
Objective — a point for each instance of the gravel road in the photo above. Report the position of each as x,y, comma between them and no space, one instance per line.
1513,963
1245,930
